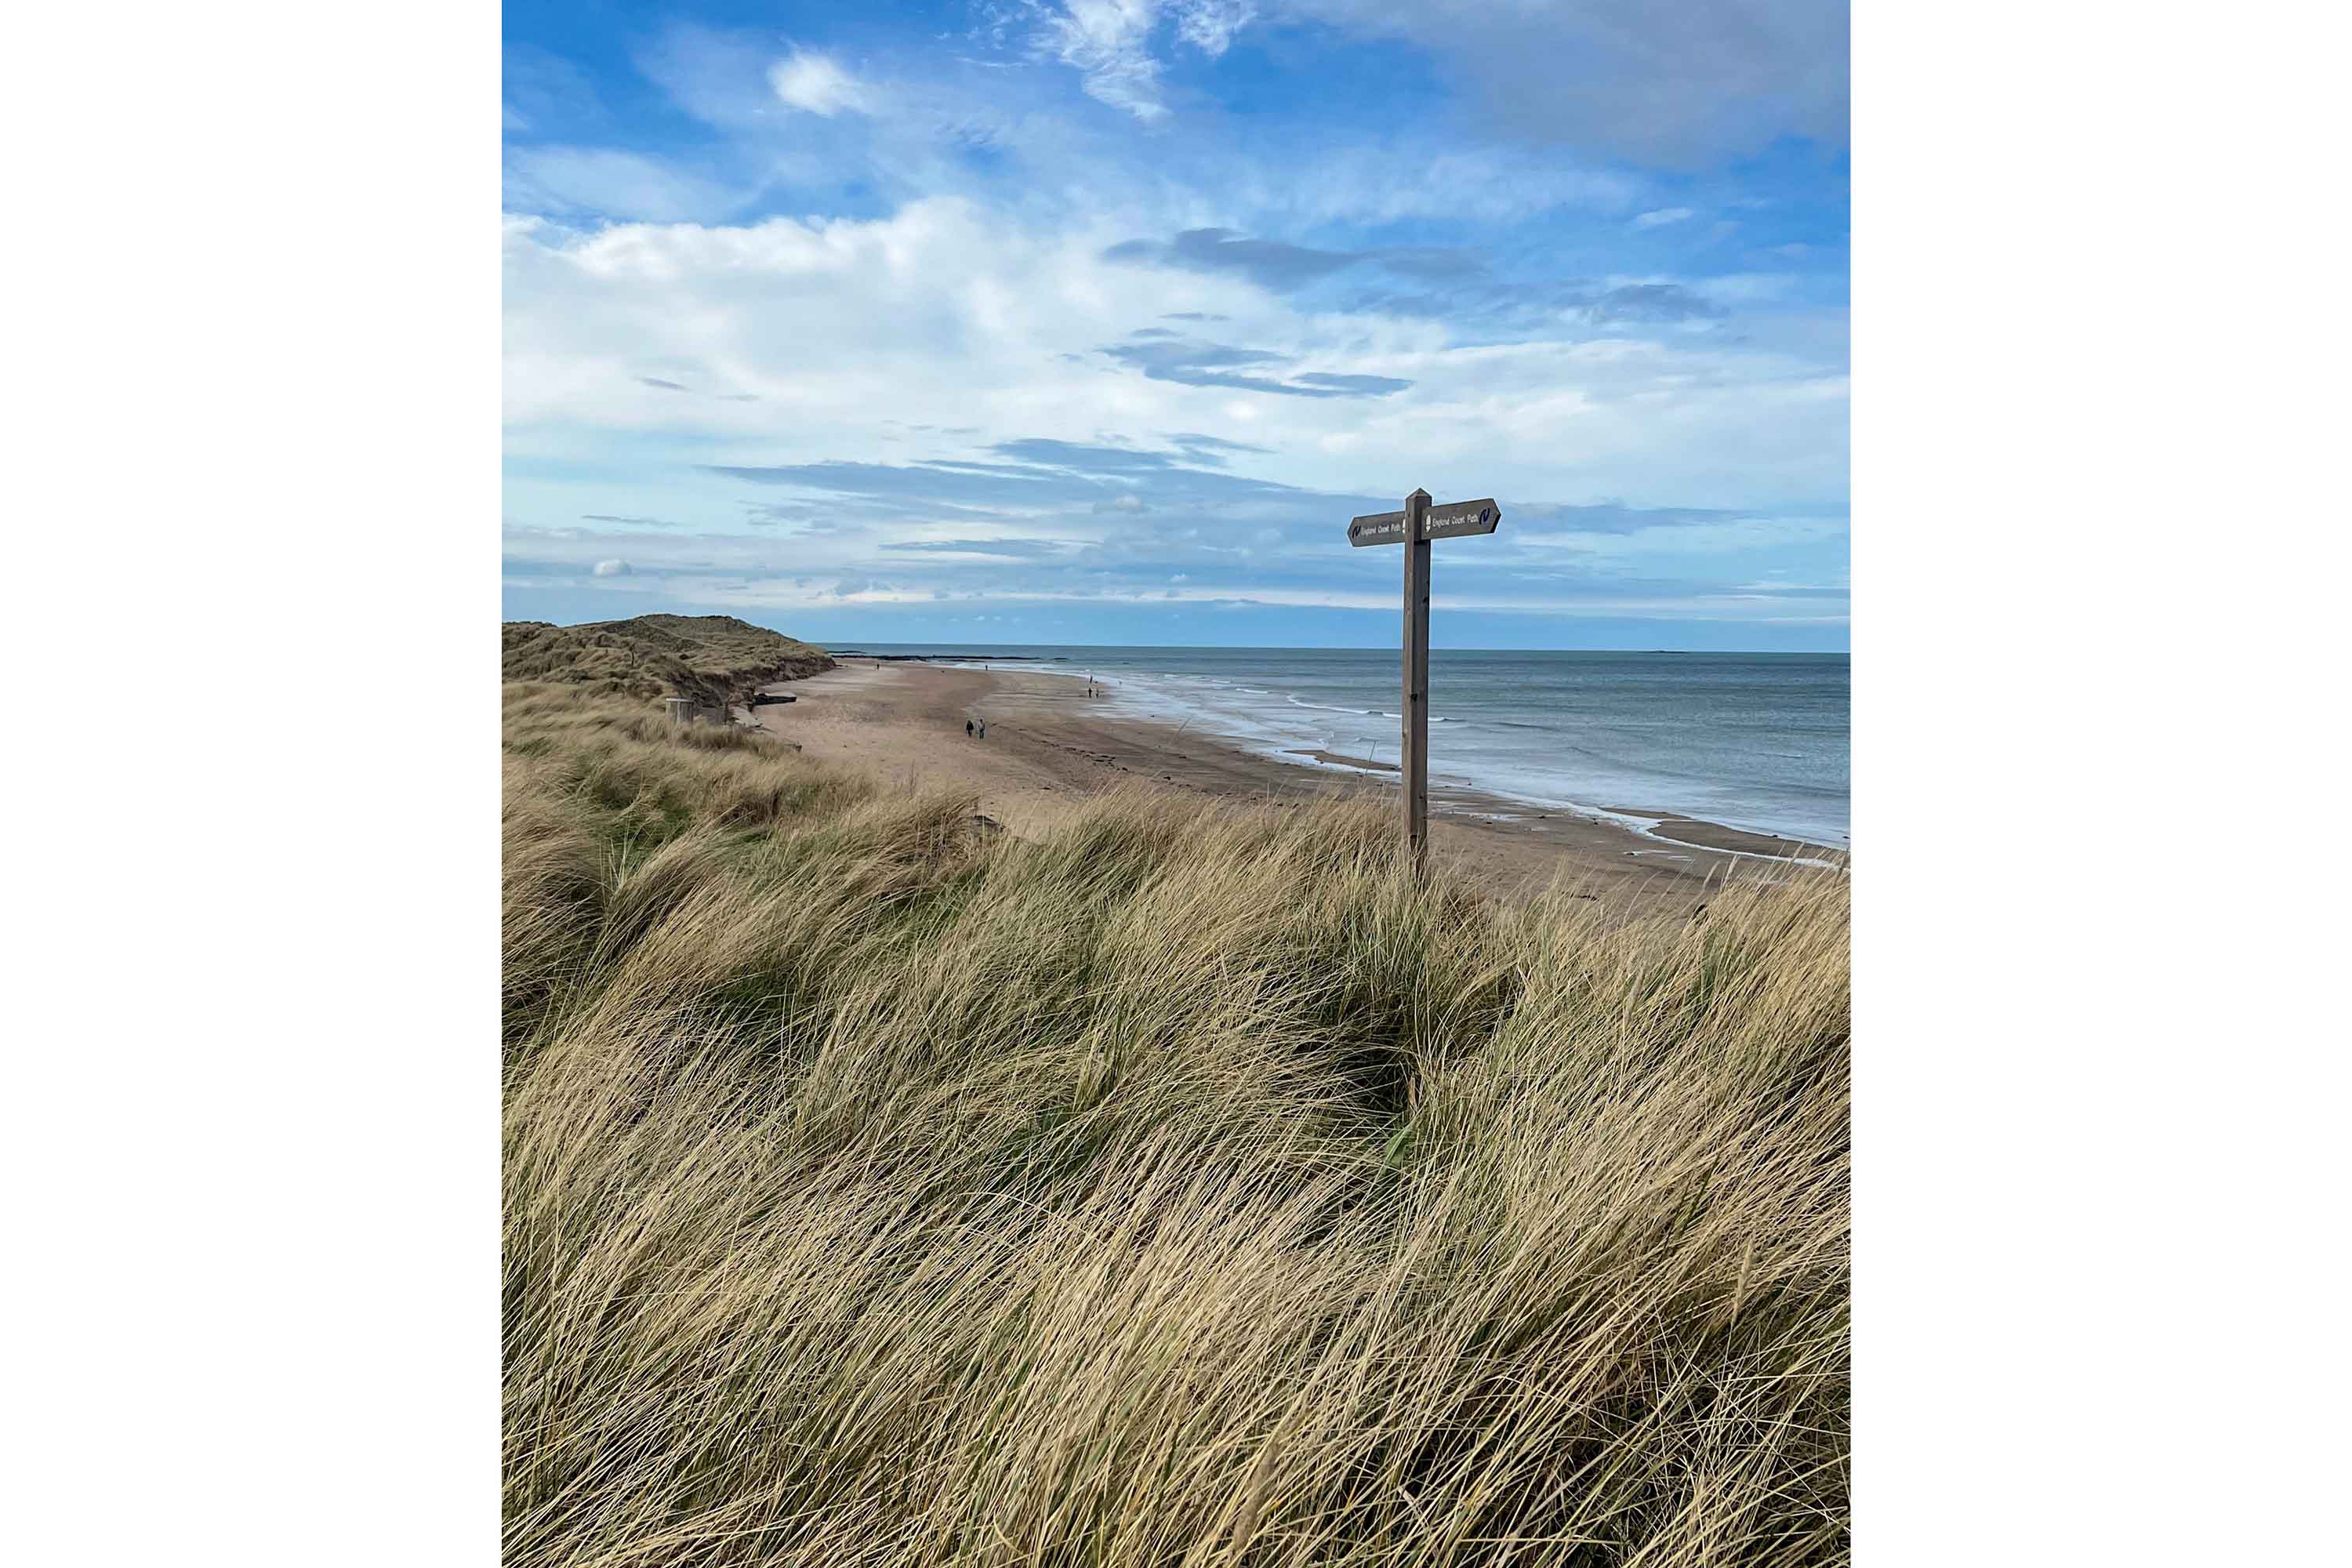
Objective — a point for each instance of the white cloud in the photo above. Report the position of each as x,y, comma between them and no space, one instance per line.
816,84
1108,43
1208,26
970,327
934,334
946,314
611,184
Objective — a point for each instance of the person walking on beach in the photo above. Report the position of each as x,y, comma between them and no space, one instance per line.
967,729
983,728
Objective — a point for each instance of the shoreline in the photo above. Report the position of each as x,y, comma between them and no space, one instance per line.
1678,826
1049,748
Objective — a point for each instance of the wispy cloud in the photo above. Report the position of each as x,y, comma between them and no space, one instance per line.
610,183
1111,43
1208,26
1108,42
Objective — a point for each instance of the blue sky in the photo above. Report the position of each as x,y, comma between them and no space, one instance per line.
1094,320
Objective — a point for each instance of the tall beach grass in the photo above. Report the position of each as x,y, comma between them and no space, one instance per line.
1198,1186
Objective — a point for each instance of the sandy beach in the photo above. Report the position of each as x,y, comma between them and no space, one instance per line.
1049,747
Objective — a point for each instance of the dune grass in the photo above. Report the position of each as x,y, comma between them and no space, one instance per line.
716,659
1195,1188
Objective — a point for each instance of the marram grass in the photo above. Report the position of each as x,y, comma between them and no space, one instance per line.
1194,1188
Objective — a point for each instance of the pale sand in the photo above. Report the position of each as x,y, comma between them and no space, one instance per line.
1049,746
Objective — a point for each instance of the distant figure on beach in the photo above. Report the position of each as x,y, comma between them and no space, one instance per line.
967,729
983,728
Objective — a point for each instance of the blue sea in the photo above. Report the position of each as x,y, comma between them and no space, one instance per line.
1757,740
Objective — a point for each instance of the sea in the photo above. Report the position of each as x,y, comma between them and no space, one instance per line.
1755,740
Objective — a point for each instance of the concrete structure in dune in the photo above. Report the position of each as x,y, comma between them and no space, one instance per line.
686,710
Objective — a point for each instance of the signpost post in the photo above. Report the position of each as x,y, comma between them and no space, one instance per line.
1413,528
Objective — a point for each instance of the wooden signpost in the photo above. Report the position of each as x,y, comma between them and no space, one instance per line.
1414,527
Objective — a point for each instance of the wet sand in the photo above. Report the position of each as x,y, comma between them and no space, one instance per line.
1050,747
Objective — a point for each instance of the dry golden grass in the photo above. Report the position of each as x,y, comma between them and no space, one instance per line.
1196,1188
712,658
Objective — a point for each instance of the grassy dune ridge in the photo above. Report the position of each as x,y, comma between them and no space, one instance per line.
1193,1188
711,658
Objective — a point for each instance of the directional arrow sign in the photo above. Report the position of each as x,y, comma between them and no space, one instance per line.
1450,521
1415,526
